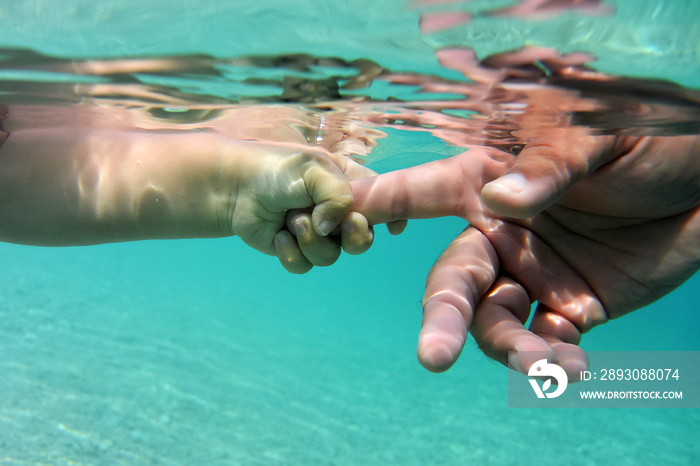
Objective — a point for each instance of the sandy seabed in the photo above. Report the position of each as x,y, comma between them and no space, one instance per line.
177,354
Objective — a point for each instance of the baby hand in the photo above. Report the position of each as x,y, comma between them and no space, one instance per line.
279,189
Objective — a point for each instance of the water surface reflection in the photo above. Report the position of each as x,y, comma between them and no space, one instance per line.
503,100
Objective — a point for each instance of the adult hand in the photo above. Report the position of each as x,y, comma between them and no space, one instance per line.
590,227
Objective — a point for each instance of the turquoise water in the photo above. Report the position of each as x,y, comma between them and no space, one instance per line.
205,352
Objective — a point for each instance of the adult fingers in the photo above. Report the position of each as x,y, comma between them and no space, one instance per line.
544,170
354,171
464,272
563,334
437,189
499,327
351,169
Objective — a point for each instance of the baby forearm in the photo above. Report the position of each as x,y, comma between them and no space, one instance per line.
85,186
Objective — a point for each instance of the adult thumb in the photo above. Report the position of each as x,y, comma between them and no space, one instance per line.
544,171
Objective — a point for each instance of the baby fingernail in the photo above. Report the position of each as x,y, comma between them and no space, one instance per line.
348,227
325,228
283,238
299,228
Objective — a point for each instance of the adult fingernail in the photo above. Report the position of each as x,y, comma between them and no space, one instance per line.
514,361
511,183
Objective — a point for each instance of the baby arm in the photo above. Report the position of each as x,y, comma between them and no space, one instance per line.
79,186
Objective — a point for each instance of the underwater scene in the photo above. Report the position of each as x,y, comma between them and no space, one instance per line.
138,345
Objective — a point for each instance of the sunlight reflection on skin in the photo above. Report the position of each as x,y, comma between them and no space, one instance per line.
577,259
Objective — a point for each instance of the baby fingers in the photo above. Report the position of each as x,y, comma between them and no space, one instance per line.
356,235
289,253
300,247
318,250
